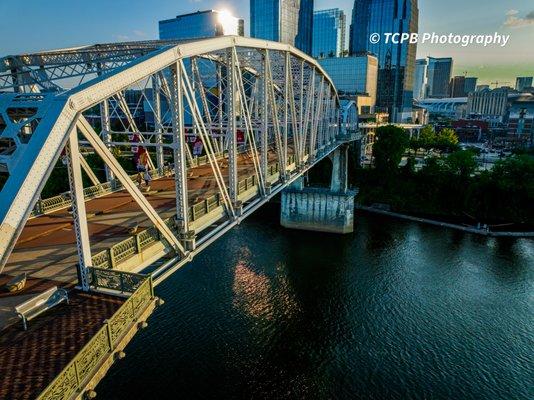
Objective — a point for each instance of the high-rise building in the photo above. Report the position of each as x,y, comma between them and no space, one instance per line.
457,86
286,21
201,24
439,76
523,82
355,78
396,60
420,81
521,116
304,39
470,84
328,33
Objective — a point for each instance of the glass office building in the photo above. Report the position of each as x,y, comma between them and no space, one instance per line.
439,76
198,25
523,82
286,21
355,77
201,24
470,84
396,61
420,81
328,33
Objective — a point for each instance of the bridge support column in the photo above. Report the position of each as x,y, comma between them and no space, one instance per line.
321,209
189,240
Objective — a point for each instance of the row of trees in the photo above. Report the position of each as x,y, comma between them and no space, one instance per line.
450,185
445,140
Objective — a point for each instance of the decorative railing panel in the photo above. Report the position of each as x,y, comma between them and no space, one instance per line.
132,245
85,364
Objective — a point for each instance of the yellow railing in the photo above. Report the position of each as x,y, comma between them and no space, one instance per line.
135,244
85,364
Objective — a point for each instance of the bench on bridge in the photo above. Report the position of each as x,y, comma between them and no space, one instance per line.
39,304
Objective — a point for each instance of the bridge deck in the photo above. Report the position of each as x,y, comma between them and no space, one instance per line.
30,360
46,249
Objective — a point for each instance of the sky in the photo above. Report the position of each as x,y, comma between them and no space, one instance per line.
49,24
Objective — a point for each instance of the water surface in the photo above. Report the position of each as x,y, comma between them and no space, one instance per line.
397,310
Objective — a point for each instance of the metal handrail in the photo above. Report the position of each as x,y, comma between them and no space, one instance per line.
79,371
135,244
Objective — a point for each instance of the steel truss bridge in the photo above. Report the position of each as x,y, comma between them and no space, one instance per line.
264,112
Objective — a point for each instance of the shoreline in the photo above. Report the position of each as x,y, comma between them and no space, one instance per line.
477,231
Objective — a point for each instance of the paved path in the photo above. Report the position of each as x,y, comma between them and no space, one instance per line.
46,249
30,360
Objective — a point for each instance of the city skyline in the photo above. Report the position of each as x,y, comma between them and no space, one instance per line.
62,27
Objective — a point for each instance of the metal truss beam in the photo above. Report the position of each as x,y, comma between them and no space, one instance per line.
274,100
128,184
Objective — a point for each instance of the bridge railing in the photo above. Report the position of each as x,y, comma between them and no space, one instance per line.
63,200
136,244
79,371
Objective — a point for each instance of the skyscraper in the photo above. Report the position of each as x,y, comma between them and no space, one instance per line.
439,76
420,82
328,33
521,83
470,84
304,38
201,24
457,86
355,77
396,61
286,21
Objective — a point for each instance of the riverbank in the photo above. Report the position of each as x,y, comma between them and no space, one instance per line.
465,228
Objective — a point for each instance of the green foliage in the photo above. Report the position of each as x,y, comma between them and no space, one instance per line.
391,143
446,139
409,168
461,163
58,182
515,173
448,188
427,137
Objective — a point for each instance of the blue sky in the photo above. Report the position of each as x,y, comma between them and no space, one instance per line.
49,24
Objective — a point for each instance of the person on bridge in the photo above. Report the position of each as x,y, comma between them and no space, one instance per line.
147,179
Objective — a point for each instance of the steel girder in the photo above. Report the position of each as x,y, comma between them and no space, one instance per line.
279,97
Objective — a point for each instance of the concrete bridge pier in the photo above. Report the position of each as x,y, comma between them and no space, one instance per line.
321,209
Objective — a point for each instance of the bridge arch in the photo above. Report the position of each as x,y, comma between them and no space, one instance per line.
280,99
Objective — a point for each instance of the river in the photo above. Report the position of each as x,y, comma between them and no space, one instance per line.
397,310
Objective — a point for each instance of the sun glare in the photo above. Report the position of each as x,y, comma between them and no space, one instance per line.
229,22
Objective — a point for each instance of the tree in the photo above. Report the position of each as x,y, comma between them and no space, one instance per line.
515,173
409,168
391,142
427,137
447,139
462,163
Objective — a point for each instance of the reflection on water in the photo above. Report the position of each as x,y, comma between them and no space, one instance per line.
396,310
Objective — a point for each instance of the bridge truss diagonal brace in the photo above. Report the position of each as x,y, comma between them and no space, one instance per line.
89,171
131,121
102,150
81,230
